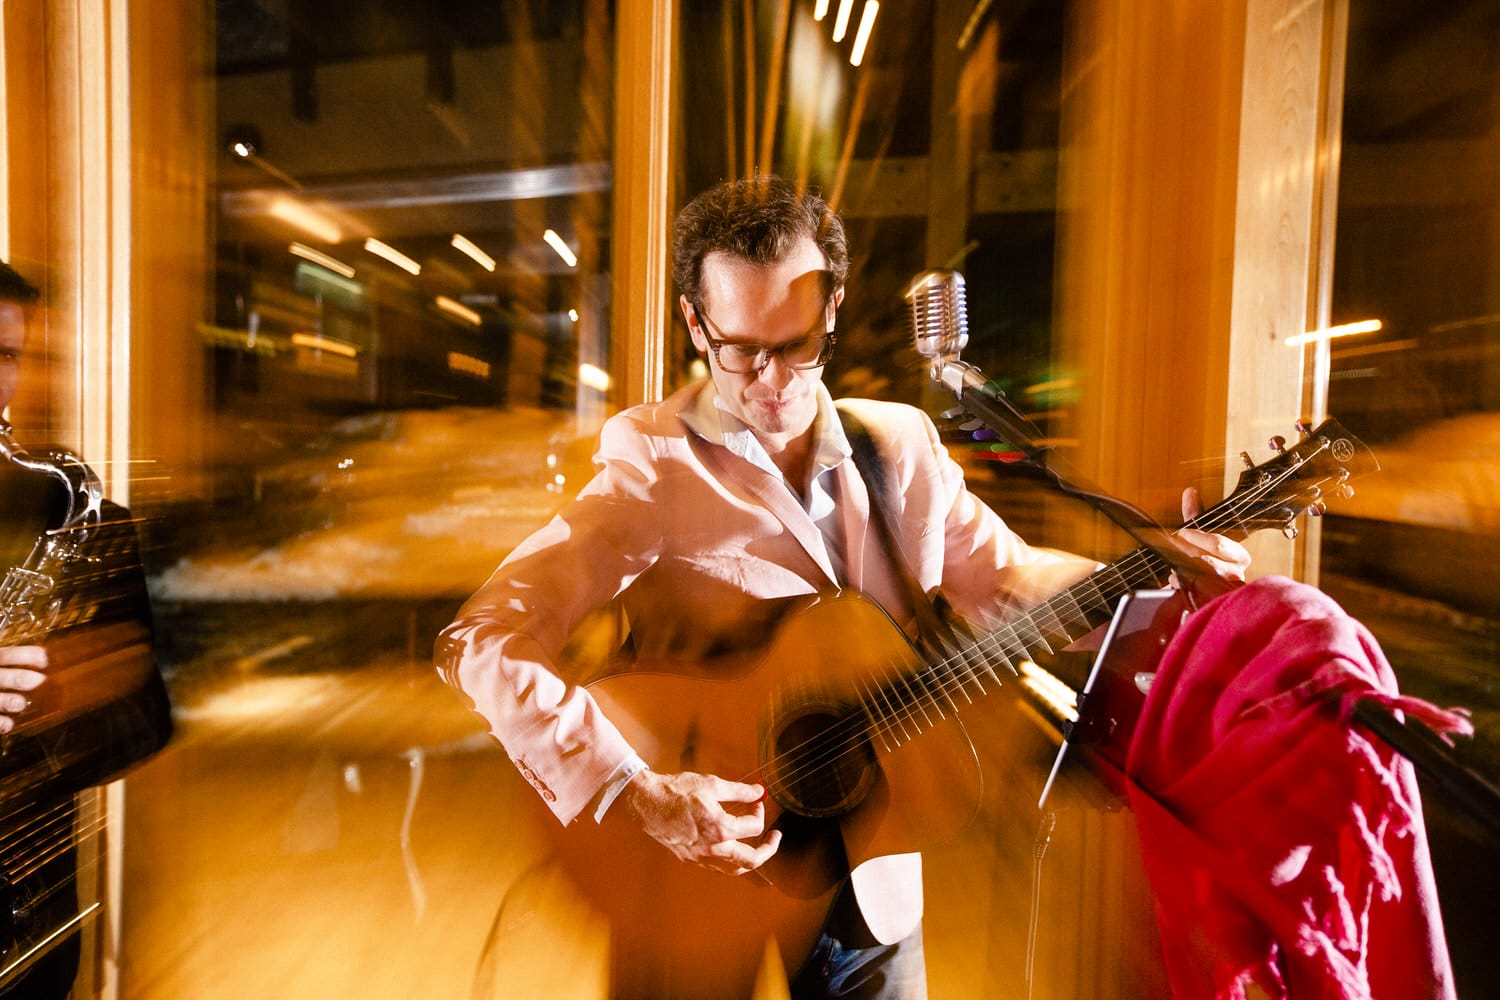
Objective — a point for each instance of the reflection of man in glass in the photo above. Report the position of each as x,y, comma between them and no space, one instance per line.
80,696
710,505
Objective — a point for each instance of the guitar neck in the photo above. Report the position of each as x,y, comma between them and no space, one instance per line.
1269,495
964,667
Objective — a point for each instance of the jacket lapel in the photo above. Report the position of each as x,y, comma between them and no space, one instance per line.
775,497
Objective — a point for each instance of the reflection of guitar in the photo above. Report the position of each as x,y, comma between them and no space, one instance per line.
824,715
102,709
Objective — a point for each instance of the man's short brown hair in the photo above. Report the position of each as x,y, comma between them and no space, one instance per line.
14,288
757,219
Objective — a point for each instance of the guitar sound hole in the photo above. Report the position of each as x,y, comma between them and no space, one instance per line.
820,762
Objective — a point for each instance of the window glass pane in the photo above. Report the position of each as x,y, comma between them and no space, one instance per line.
407,357
1415,553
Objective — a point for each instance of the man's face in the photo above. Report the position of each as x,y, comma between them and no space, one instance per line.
772,306
12,339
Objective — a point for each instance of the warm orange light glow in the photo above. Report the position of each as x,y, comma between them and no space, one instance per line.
593,376
465,363
318,342
314,224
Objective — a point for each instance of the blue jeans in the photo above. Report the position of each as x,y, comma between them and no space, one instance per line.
847,961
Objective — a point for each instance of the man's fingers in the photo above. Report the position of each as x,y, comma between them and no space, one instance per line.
23,656
735,791
734,826
20,679
1224,555
1192,503
737,857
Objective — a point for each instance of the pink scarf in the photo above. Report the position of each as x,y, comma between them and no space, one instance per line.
1285,845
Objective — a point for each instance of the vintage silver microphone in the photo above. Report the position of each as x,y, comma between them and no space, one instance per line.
939,316
940,330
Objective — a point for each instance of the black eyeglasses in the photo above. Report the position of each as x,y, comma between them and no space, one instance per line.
746,357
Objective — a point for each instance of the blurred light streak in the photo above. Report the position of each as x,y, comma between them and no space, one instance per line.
975,17
563,250
1389,347
318,342
841,23
320,274
862,36
820,10
390,253
454,308
294,213
467,246
1343,330
321,259
1040,387
458,362
594,377
463,189
1057,696
1460,324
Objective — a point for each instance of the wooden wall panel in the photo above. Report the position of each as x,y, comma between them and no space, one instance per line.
1191,142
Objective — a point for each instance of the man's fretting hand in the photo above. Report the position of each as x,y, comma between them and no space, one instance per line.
1224,559
703,819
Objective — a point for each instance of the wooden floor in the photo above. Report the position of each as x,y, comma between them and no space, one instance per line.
354,834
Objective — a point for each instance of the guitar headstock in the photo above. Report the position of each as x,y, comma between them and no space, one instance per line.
1299,478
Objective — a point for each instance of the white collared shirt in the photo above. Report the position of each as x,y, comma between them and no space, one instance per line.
710,420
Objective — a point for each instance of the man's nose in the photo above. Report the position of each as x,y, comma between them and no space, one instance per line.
777,373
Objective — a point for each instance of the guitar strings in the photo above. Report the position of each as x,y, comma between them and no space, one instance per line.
1137,568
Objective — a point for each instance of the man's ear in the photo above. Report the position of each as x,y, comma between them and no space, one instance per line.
694,330
838,296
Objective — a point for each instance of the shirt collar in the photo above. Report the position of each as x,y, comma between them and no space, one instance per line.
708,418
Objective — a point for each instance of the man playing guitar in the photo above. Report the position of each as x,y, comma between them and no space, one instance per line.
708,508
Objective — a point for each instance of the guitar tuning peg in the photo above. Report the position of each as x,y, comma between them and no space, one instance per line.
1290,531
1278,444
1304,429
1317,508
1343,491
1249,462
954,413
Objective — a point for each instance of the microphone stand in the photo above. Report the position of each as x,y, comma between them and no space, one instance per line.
984,402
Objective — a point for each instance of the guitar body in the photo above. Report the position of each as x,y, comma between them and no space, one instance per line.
844,789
